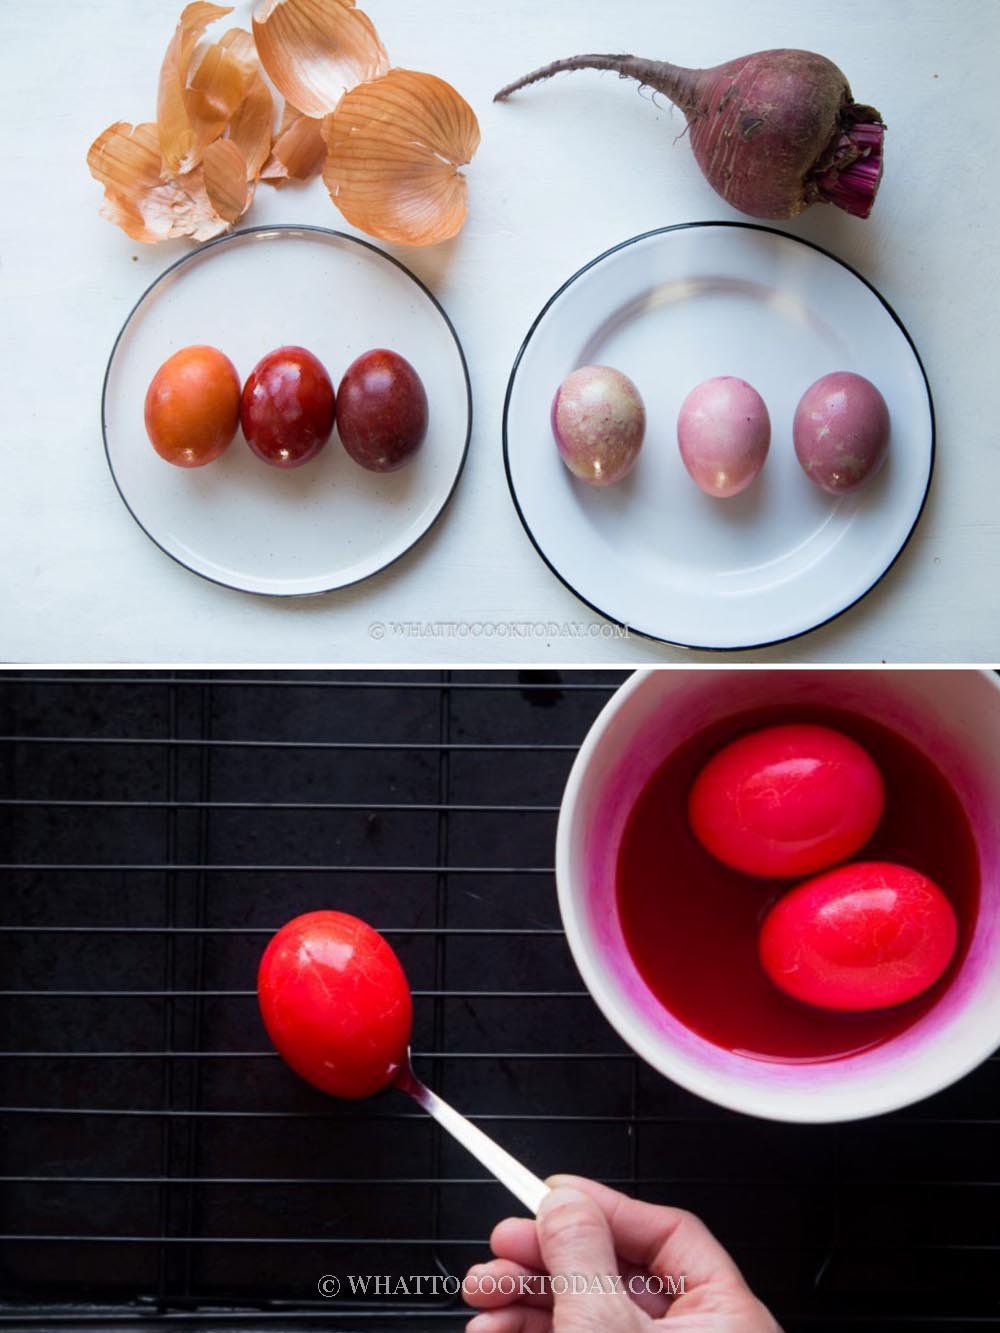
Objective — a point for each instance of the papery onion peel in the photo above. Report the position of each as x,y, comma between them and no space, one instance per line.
179,111
394,146
181,177
226,182
298,151
217,85
316,50
251,128
127,162
389,141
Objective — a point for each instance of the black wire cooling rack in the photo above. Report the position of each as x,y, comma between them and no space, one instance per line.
159,1165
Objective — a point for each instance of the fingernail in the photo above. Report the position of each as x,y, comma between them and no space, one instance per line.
558,1181
483,1323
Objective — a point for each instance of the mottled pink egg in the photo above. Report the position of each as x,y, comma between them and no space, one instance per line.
841,431
724,433
786,801
598,420
864,936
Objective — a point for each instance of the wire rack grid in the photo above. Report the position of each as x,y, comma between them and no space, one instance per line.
160,1166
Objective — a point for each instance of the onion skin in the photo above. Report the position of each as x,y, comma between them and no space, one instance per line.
598,420
773,132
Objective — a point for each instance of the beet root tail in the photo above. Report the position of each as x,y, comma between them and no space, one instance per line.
672,81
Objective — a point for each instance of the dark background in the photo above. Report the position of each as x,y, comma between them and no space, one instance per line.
159,1165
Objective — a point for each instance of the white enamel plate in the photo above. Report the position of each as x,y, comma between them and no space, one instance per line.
672,308
239,521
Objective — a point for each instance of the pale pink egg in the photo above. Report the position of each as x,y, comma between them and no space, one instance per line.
724,433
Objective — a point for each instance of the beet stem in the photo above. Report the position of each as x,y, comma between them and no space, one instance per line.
673,81
853,179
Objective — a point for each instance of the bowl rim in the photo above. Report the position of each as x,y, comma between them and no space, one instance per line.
778,1104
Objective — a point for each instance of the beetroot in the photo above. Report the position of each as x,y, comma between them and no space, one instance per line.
773,132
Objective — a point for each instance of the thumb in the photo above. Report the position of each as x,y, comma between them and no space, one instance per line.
577,1247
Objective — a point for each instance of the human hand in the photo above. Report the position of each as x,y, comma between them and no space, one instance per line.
588,1231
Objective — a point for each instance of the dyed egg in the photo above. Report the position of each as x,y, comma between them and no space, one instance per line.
864,936
598,420
381,411
192,406
724,433
336,1003
841,431
786,801
288,407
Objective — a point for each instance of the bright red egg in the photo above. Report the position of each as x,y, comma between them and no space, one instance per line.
288,407
864,936
336,1003
787,801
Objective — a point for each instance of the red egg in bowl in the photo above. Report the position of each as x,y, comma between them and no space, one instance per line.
787,800
665,934
868,935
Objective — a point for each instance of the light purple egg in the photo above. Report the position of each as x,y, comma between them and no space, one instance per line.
724,433
598,420
841,431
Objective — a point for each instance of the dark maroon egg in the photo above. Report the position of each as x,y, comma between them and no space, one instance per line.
381,411
288,407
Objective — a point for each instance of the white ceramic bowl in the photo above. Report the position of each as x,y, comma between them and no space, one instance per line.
953,716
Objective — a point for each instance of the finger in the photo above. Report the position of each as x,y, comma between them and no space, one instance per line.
669,1242
515,1319
576,1241
500,1283
516,1239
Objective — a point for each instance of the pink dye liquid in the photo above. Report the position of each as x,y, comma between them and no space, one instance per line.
691,924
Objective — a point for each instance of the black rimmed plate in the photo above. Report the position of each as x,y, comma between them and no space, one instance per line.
674,307
238,521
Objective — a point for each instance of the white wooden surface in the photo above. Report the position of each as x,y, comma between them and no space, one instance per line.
566,171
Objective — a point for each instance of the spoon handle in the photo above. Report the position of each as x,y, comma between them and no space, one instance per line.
508,1170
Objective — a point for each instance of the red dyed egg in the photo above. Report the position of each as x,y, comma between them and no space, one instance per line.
336,1003
382,410
864,936
787,801
288,407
